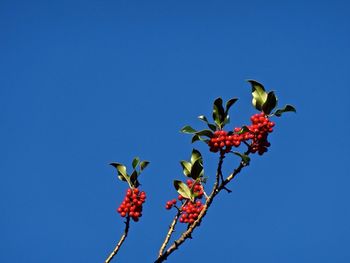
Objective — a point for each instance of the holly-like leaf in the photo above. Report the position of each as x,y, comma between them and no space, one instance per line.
195,156
143,165
270,103
133,179
226,120
186,166
188,129
183,189
244,129
229,103
121,171
287,108
197,169
135,162
218,112
207,133
259,94
245,158
196,138
211,126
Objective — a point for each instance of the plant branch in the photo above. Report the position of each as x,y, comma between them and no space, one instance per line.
216,189
234,173
170,232
122,238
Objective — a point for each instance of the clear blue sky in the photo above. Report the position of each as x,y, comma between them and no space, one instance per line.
84,83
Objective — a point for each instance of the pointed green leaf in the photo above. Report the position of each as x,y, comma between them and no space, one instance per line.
259,94
183,189
135,162
199,138
197,169
270,103
218,112
287,108
227,120
195,156
229,103
211,126
245,158
207,133
143,165
243,130
133,179
122,174
121,169
186,166
196,138
203,118
188,129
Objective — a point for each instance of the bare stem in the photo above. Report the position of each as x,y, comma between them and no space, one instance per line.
170,232
234,173
122,238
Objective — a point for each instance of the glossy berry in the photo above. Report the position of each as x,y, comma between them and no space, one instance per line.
259,130
189,210
132,204
224,141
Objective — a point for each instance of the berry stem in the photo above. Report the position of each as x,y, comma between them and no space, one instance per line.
122,239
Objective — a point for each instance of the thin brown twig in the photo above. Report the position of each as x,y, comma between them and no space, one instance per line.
234,173
122,238
170,232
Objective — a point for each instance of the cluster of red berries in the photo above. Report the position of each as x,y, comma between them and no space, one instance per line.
257,132
196,187
260,128
132,204
224,141
189,210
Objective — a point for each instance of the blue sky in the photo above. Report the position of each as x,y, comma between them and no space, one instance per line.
84,83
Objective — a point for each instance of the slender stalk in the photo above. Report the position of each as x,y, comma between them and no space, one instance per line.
170,232
122,238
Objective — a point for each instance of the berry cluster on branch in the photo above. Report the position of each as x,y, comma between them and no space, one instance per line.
189,209
132,204
193,207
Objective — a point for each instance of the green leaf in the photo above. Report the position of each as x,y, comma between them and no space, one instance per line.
245,158
183,189
135,162
207,133
195,156
186,166
196,138
197,169
188,129
259,94
270,103
227,120
218,112
143,165
199,138
203,118
211,126
287,108
121,171
229,103
243,130
133,179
